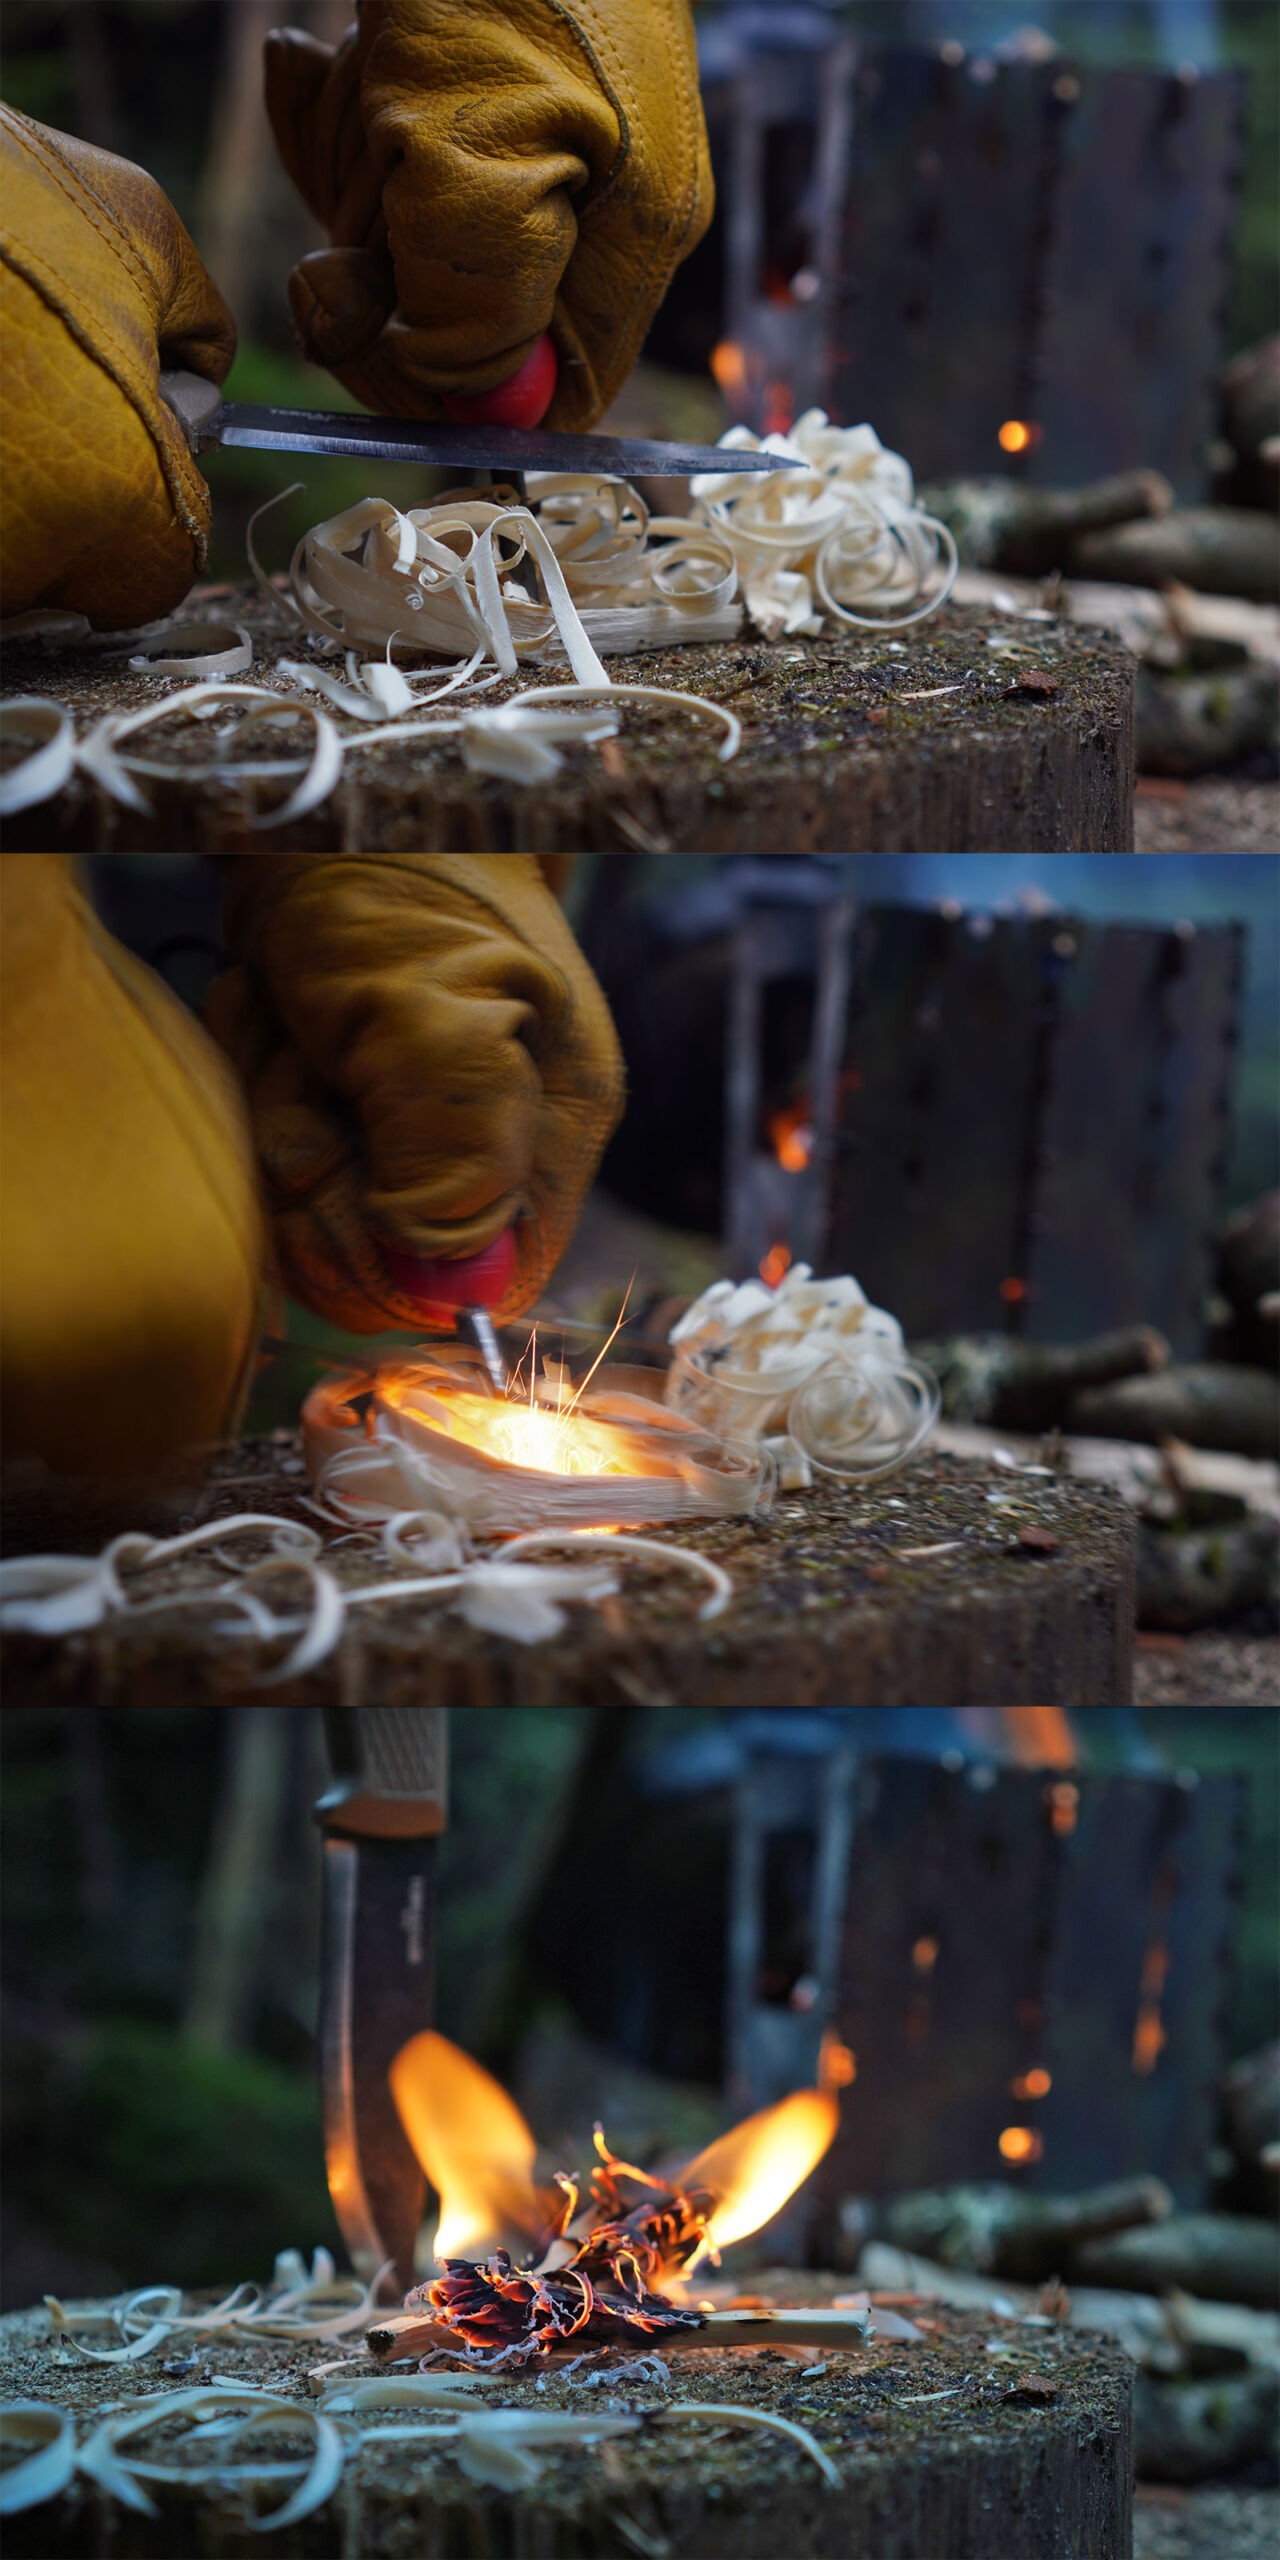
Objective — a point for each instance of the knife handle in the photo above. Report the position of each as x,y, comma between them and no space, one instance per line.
389,1772
195,402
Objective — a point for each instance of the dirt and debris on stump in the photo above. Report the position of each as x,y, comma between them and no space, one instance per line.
982,2438
919,1589
971,732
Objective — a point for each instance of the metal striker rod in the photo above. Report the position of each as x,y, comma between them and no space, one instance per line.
476,1327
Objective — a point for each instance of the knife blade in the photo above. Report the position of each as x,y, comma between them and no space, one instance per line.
207,419
381,1819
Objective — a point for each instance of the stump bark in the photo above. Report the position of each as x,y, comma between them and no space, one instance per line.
942,2448
954,1583
968,733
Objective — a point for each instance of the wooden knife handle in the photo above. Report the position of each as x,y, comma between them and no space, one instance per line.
390,1772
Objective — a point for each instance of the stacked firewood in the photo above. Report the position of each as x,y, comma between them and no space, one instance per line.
1193,2296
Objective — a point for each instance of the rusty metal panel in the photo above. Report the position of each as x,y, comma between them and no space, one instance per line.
936,1122
935,234
1004,1921
1134,1126
1137,275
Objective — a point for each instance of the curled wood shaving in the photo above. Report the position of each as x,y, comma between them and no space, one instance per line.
737,2415
621,1542
45,767
99,754
196,649
49,2457
298,2306
250,2411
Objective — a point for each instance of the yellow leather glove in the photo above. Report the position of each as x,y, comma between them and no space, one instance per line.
429,1064
102,509
488,170
131,1239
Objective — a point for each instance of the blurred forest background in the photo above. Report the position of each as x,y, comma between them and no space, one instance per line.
159,1894
176,85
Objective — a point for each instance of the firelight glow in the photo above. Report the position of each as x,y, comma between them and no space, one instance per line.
1020,2144
1015,435
791,1137
729,365
478,2154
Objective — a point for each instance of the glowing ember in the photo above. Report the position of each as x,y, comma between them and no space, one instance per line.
791,1137
1017,435
595,2263
775,1264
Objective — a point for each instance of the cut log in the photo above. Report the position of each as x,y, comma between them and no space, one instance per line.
1188,2430
928,741
953,1583
939,2447
1207,1402
1251,2105
1234,2257
1027,1386
994,2230
1226,551
1002,524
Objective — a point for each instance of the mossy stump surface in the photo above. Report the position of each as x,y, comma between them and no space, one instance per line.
954,1583
968,733
946,2451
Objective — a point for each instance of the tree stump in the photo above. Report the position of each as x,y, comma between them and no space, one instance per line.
946,2452
969,733
954,1583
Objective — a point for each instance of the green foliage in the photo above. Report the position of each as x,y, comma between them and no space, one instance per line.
180,2165
242,479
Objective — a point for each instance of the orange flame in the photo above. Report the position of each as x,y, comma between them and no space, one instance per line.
775,1264
473,2143
752,2171
1017,435
478,2154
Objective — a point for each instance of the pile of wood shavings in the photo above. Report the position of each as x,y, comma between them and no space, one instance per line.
838,533
501,1594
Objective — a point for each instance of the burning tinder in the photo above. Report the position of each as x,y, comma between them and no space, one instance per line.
596,2265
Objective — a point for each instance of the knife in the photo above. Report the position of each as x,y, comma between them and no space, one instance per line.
381,1818
207,419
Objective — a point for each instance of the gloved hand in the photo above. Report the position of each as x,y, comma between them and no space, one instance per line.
101,506
428,1062
131,1239
488,170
